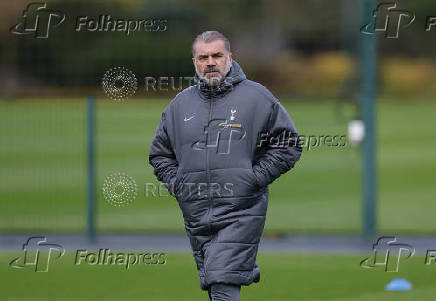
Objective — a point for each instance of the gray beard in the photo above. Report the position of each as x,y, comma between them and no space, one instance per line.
214,81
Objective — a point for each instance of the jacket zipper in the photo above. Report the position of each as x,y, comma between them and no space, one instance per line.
207,169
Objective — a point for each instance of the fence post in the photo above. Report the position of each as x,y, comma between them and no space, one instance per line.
368,104
90,129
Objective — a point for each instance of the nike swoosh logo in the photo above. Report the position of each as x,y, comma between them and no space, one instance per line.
187,119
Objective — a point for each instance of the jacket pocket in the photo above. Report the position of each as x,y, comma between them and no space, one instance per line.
251,183
178,183
255,181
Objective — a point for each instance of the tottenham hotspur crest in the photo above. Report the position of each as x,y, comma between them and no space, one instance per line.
232,111
225,124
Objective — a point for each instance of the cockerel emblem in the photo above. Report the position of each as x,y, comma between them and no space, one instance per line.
232,111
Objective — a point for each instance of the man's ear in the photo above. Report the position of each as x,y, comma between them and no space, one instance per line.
230,56
193,61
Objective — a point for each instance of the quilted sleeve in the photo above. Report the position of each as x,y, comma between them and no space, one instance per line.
162,156
277,155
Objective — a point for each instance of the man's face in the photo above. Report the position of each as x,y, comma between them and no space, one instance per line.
211,61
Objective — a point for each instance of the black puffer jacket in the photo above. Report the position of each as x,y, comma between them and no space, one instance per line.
217,150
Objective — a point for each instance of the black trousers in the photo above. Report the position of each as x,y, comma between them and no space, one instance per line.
224,292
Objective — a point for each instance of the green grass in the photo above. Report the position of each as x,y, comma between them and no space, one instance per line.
43,169
283,277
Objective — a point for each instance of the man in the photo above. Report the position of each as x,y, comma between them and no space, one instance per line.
218,146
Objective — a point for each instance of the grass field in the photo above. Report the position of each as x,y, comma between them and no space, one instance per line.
43,169
283,277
